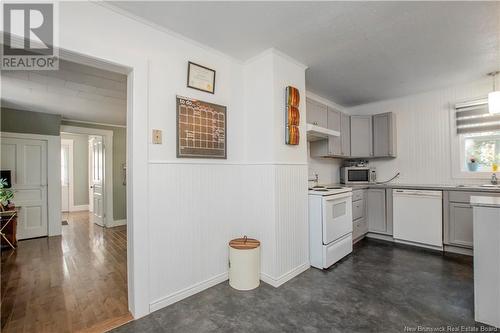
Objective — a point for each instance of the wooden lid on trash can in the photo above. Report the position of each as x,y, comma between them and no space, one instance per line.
244,243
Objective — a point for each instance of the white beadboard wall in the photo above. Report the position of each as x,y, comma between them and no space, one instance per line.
292,245
424,133
259,191
201,207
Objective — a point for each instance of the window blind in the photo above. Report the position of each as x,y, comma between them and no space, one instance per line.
474,117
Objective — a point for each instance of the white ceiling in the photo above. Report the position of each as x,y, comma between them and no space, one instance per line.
357,52
75,91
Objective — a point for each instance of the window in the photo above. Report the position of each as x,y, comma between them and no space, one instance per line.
480,152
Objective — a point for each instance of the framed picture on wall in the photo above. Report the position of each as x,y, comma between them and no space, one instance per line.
201,78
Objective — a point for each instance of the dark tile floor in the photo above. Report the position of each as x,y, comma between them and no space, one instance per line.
380,287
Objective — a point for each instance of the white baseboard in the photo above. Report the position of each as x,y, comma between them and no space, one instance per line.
380,236
78,208
276,282
425,246
459,250
116,223
189,291
198,287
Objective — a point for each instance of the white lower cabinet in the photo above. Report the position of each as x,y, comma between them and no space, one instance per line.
359,222
460,227
360,228
376,211
458,219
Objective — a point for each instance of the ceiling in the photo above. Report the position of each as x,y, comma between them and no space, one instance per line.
357,52
75,91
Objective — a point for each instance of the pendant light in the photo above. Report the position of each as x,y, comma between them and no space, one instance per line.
494,96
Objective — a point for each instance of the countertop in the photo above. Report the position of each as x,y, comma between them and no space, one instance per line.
485,201
437,187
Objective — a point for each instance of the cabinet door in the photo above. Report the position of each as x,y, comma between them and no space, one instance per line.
460,225
345,135
361,136
358,209
335,146
384,135
316,113
376,211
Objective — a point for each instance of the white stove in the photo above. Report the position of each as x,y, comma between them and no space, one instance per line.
330,224
324,190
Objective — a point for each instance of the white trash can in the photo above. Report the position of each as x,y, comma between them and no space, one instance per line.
244,263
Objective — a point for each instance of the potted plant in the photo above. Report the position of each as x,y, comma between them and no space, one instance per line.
472,165
6,195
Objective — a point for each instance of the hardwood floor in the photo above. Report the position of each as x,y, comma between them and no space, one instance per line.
65,284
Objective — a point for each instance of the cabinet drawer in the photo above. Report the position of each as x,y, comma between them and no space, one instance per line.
360,227
358,209
335,251
464,197
358,195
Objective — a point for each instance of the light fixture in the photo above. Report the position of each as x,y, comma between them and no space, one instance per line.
494,96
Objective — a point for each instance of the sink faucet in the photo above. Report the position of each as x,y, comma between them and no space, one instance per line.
315,179
494,180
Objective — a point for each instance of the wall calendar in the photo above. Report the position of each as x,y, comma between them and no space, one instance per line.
201,129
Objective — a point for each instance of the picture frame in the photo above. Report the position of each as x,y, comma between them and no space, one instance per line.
201,78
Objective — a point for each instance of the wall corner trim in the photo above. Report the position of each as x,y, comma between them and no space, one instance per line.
276,282
116,223
186,292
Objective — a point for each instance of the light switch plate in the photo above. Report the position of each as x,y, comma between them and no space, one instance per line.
157,137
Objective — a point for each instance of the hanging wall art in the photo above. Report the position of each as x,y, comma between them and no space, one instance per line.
292,116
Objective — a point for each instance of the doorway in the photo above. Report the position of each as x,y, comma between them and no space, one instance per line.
66,175
83,267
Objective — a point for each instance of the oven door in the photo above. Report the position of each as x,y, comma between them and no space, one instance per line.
337,216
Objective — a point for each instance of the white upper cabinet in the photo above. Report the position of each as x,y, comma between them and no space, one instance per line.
345,135
335,145
361,136
384,135
316,113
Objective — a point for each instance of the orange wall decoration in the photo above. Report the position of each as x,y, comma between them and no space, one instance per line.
292,116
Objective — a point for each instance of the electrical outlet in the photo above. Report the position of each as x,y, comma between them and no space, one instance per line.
157,137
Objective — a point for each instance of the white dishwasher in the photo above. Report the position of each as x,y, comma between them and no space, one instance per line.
417,217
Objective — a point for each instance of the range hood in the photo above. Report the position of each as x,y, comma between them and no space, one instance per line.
315,133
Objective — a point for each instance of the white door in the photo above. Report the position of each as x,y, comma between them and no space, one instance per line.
66,170
27,160
97,180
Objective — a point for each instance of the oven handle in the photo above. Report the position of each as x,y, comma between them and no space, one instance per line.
338,196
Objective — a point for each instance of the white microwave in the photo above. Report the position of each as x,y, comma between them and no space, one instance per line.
357,175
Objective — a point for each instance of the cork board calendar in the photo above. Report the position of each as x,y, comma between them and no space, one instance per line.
201,129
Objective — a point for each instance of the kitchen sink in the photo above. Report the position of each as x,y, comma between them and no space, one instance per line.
483,185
